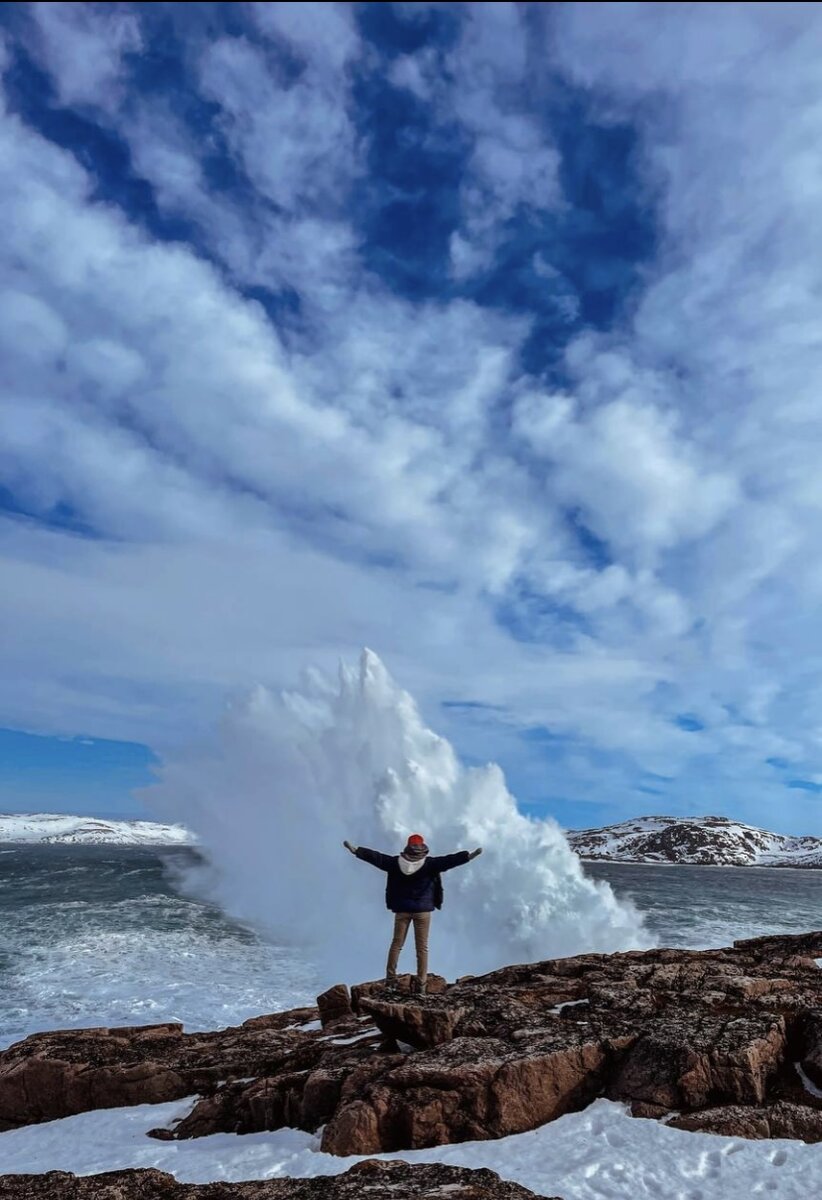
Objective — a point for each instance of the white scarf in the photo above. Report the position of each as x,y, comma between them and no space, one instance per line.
409,868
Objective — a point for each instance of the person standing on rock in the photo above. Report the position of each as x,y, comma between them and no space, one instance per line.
413,890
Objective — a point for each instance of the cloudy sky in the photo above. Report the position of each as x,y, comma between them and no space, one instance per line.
486,335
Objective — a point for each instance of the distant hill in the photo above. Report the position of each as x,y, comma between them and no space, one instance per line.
57,827
711,841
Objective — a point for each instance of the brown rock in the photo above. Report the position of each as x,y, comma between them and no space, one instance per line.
402,985
471,1089
781,1120
294,1018
707,1033
334,1005
640,1108
377,1180
687,1060
305,1098
807,945
422,1023
51,1075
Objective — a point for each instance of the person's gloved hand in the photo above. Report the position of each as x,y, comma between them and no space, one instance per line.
348,846
474,853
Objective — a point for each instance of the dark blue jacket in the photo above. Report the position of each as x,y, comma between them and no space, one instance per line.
417,892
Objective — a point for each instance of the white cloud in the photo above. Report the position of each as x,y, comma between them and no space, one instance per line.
163,405
293,137
639,485
728,114
322,33
249,491
83,46
485,84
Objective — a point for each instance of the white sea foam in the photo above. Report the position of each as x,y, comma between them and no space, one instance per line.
115,973
290,776
95,936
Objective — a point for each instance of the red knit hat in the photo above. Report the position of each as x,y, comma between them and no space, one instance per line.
416,839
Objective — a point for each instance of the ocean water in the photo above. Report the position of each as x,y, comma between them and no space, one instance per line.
715,906
103,935
97,935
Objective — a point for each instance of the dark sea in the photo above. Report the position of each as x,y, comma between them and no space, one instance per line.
105,935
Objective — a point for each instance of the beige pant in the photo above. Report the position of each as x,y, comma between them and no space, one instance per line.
422,923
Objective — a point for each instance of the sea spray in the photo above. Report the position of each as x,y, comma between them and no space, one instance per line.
290,776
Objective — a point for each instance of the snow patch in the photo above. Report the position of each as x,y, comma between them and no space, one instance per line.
358,1037
57,828
557,1009
807,1082
599,1153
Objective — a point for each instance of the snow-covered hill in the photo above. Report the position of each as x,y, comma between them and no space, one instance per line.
715,841
57,827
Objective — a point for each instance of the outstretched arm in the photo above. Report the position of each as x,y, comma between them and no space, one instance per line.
445,862
381,861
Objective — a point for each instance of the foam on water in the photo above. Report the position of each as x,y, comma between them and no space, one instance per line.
87,939
290,776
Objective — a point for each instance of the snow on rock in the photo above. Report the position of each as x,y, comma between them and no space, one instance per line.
60,828
707,841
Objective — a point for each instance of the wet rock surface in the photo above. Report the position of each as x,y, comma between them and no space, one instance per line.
725,1040
376,1180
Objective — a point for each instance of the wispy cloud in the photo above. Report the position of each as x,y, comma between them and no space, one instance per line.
82,46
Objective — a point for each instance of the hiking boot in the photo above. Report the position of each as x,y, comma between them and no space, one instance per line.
419,986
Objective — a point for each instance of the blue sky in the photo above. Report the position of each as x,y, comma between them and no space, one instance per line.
485,335
71,774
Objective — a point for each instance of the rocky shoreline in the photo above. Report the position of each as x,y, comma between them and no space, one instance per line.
724,1041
